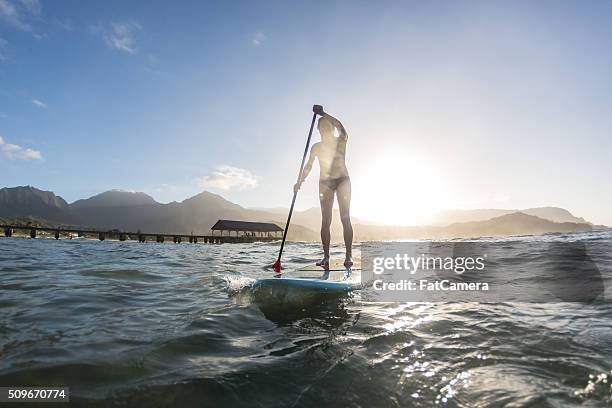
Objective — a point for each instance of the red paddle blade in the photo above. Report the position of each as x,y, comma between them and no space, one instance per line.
277,266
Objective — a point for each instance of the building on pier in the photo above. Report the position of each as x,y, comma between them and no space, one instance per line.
246,228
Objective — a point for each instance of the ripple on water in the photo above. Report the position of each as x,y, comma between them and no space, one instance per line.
157,325
123,274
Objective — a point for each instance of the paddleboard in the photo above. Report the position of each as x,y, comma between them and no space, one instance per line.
337,265
323,281
303,283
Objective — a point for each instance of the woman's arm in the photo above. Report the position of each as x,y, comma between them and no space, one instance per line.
311,157
338,125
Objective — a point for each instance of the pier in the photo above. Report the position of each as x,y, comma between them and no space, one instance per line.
243,231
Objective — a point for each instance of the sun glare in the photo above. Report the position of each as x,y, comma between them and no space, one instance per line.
399,189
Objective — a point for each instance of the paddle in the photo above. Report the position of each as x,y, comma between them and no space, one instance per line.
277,265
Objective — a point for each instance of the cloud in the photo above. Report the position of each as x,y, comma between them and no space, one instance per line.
227,177
65,25
40,104
119,35
13,151
3,115
258,39
17,14
32,6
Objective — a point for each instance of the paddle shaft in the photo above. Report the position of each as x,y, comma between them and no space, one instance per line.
280,252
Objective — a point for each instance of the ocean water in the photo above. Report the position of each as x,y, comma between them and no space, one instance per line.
128,324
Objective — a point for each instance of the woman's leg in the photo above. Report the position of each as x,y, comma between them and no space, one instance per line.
326,196
344,202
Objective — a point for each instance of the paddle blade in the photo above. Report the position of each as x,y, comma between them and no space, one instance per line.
277,266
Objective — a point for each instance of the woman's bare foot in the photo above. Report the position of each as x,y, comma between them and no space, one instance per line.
324,262
348,261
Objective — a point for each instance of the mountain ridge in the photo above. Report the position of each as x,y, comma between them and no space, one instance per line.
114,198
556,214
132,211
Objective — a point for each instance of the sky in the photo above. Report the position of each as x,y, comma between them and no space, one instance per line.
478,104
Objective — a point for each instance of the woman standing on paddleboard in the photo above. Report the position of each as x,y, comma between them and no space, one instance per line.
333,181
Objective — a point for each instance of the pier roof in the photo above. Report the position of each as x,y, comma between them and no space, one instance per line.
245,226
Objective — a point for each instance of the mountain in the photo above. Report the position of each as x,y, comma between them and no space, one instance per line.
517,223
19,202
137,211
133,211
130,211
554,214
115,198
448,217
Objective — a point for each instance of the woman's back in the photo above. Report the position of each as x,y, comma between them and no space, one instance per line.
332,158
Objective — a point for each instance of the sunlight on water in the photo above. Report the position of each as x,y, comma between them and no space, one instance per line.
597,386
400,322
